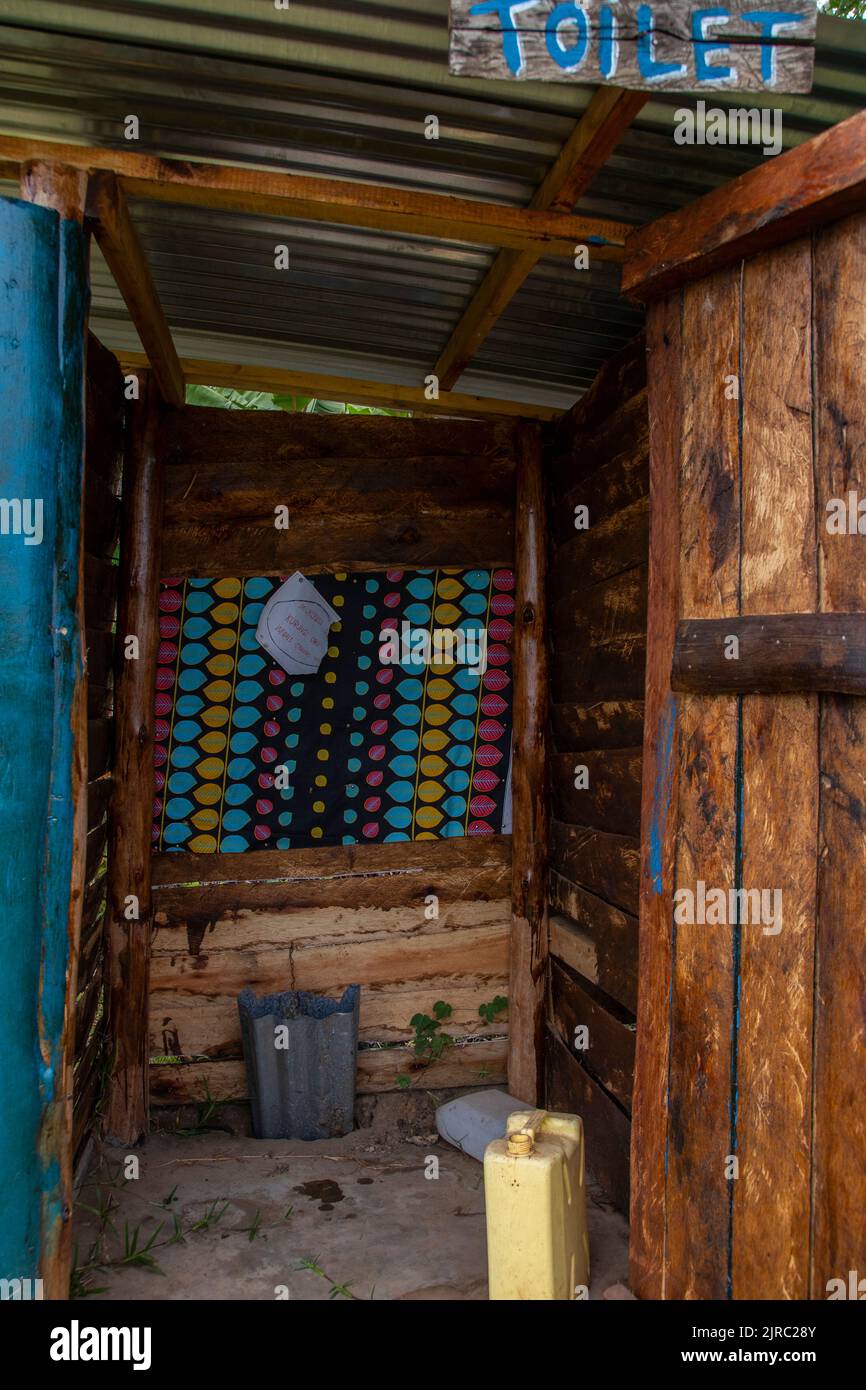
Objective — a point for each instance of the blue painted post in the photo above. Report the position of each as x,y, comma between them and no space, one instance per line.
43,305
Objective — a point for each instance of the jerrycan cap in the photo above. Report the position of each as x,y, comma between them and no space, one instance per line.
521,1142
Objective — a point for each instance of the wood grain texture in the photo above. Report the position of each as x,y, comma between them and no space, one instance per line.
473,1065
612,932
130,817
609,1051
659,812
839,1156
124,254
245,376
702,1000
819,181
528,950
602,724
382,492
781,653
611,799
609,114
608,865
324,918
185,1025
312,199
570,1088
529,47
773,1065
60,845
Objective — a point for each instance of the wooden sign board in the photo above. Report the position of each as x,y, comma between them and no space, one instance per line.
671,45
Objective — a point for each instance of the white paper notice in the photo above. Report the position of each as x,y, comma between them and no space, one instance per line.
293,627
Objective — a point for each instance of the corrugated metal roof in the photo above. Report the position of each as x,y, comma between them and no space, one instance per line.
343,91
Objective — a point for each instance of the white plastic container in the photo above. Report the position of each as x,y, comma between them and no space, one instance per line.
471,1122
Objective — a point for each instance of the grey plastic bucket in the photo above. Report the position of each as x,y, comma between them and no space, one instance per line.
305,1090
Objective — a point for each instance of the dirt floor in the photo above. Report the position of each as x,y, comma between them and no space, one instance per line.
217,1215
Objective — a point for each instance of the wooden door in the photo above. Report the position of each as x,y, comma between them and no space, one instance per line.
749,1133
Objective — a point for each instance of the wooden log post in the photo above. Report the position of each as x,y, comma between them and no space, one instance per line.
129,876
45,760
528,958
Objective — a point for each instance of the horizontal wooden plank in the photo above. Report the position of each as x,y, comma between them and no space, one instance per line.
547,42
584,617
602,724
309,911
603,470
618,543
571,1089
618,379
392,495
608,865
221,439
819,181
569,943
613,933
174,869
610,1034
404,538
476,1064
244,376
610,800
462,955
310,198
612,670
771,654
183,1025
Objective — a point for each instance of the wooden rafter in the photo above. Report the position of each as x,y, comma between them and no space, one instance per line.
201,372
814,183
120,245
548,231
609,114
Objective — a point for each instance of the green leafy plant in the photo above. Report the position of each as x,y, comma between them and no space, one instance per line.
429,1042
224,398
336,1290
489,1011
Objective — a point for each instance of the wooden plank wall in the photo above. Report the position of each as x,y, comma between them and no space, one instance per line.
750,1134
598,578
363,493
102,477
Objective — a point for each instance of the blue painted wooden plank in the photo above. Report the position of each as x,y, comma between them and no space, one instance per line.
42,304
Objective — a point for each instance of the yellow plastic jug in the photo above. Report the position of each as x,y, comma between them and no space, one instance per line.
535,1194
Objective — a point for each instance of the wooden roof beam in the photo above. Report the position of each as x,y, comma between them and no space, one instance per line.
609,114
243,377
821,180
230,188
120,245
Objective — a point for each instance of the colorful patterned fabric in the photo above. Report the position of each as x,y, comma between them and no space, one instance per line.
372,751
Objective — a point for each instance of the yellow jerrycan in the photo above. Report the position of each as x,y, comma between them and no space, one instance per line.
535,1194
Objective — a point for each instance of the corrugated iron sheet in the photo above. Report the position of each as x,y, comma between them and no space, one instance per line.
344,91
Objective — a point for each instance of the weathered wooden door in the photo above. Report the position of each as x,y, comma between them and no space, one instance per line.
43,308
749,1127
